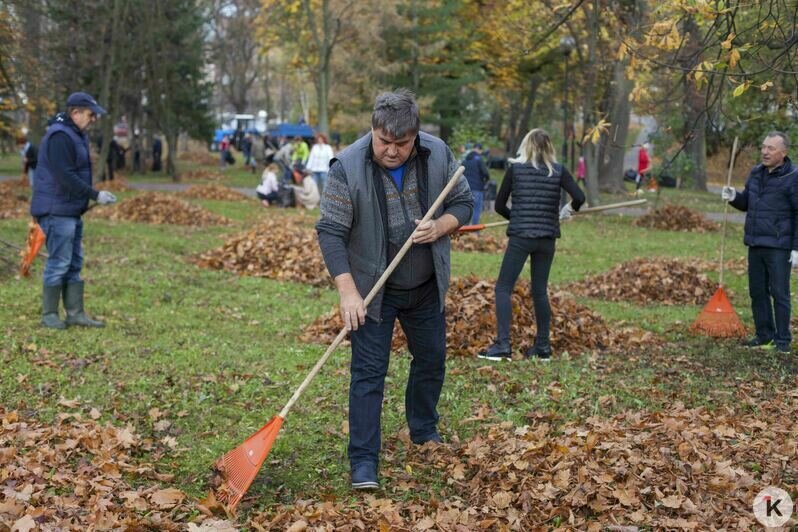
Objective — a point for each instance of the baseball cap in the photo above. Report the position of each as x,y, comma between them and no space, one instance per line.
82,99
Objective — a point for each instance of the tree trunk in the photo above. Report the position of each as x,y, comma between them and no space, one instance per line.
593,15
105,93
695,109
171,154
611,178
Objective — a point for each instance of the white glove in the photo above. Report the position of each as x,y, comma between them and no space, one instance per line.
728,194
105,197
566,212
794,258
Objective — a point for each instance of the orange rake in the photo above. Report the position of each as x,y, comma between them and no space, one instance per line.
240,466
718,318
32,246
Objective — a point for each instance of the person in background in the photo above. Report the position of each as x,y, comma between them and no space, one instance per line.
377,192
770,200
319,160
224,151
477,175
258,154
157,148
270,148
306,191
581,171
29,158
61,193
534,180
300,152
246,150
267,190
643,165
283,155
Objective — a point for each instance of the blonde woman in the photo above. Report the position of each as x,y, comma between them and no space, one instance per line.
534,180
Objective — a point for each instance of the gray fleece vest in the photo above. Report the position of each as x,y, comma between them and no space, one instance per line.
367,247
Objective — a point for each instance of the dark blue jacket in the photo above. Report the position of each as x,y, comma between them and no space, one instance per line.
476,172
62,183
771,201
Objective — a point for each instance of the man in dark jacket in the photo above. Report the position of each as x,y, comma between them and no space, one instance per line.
377,191
61,194
477,175
770,198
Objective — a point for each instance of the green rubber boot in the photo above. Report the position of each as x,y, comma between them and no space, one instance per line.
51,295
73,304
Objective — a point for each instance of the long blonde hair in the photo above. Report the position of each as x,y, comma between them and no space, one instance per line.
536,149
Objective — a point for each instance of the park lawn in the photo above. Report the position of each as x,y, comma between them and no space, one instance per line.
217,355
10,164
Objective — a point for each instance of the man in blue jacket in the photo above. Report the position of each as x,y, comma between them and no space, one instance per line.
61,194
477,175
770,198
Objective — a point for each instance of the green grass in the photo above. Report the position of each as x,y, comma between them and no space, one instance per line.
10,164
218,354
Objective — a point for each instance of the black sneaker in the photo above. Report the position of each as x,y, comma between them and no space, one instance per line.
783,348
497,352
364,476
534,353
757,343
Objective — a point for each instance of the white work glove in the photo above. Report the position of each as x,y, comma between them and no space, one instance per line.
728,194
566,212
794,258
105,197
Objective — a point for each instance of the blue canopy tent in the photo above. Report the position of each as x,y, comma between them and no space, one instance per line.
292,130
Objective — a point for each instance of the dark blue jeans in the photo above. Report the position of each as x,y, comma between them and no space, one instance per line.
478,197
769,277
63,239
424,325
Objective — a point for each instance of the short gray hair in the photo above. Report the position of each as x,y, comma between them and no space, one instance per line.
782,136
396,113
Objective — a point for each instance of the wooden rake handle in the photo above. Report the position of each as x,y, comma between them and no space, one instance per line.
726,212
608,207
377,287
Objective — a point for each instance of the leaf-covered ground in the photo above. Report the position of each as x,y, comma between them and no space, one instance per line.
120,426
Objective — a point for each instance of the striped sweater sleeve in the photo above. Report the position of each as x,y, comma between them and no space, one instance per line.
335,221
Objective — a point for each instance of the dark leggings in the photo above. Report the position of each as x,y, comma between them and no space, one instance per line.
518,249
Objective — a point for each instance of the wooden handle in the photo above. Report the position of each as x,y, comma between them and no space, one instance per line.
377,287
611,206
726,212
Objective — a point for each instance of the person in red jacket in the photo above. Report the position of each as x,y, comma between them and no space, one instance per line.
643,165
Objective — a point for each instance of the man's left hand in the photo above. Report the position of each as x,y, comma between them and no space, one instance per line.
794,258
428,232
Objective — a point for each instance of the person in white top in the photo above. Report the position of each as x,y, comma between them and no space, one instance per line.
319,160
267,190
307,195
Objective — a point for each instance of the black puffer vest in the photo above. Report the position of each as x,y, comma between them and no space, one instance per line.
535,211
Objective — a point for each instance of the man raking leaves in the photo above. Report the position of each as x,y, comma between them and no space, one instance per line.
375,240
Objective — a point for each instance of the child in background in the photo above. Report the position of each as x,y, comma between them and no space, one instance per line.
267,190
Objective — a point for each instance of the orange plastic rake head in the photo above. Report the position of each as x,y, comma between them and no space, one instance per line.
32,247
240,466
718,318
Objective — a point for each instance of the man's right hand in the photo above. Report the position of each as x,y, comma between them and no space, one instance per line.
105,197
353,312
728,194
